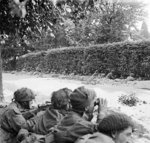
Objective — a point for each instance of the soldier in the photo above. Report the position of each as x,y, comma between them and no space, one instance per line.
74,125
114,128
12,119
60,105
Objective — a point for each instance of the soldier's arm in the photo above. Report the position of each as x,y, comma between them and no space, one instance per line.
30,113
77,130
18,121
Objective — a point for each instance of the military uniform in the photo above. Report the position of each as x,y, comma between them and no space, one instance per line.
55,113
72,127
49,119
75,124
11,122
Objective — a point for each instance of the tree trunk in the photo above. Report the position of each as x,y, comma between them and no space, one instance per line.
1,83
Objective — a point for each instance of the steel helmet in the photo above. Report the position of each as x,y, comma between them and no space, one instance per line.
61,97
24,94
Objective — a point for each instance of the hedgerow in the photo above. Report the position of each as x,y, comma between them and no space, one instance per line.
122,58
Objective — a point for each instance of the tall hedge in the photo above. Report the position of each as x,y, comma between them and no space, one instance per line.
30,62
122,58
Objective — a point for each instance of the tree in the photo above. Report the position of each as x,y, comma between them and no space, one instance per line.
45,21
71,12
104,21
144,30
114,20
1,83
25,20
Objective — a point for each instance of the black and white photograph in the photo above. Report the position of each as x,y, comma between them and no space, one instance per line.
74,71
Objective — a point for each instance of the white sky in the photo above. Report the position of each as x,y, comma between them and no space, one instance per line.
147,2
148,9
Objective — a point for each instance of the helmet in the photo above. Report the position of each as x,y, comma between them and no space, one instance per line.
24,94
61,97
81,98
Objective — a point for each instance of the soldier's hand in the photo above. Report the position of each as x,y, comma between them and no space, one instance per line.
102,109
23,133
102,104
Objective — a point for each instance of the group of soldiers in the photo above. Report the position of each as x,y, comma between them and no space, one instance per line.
68,119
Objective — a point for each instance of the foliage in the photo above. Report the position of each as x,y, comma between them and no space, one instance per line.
40,15
39,22
146,66
90,21
117,19
144,30
22,32
48,25
31,61
122,58
75,9
129,100
104,22
113,22
14,46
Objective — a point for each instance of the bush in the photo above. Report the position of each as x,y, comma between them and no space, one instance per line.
123,58
67,60
30,62
129,100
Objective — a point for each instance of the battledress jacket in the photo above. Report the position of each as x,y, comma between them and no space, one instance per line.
46,121
68,130
12,121
72,127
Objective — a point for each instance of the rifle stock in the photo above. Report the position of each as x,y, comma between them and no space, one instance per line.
32,112
44,106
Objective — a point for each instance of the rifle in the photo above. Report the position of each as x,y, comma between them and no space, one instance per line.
45,106
27,114
32,112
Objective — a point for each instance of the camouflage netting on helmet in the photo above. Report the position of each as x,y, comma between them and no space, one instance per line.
23,94
61,97
82,98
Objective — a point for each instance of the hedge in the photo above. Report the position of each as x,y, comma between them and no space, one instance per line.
122,58
30,62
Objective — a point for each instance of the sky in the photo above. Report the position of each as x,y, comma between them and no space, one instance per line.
148,19
148,10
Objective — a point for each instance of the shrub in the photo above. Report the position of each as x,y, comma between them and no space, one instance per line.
68,60
129,100
30,62
123,58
